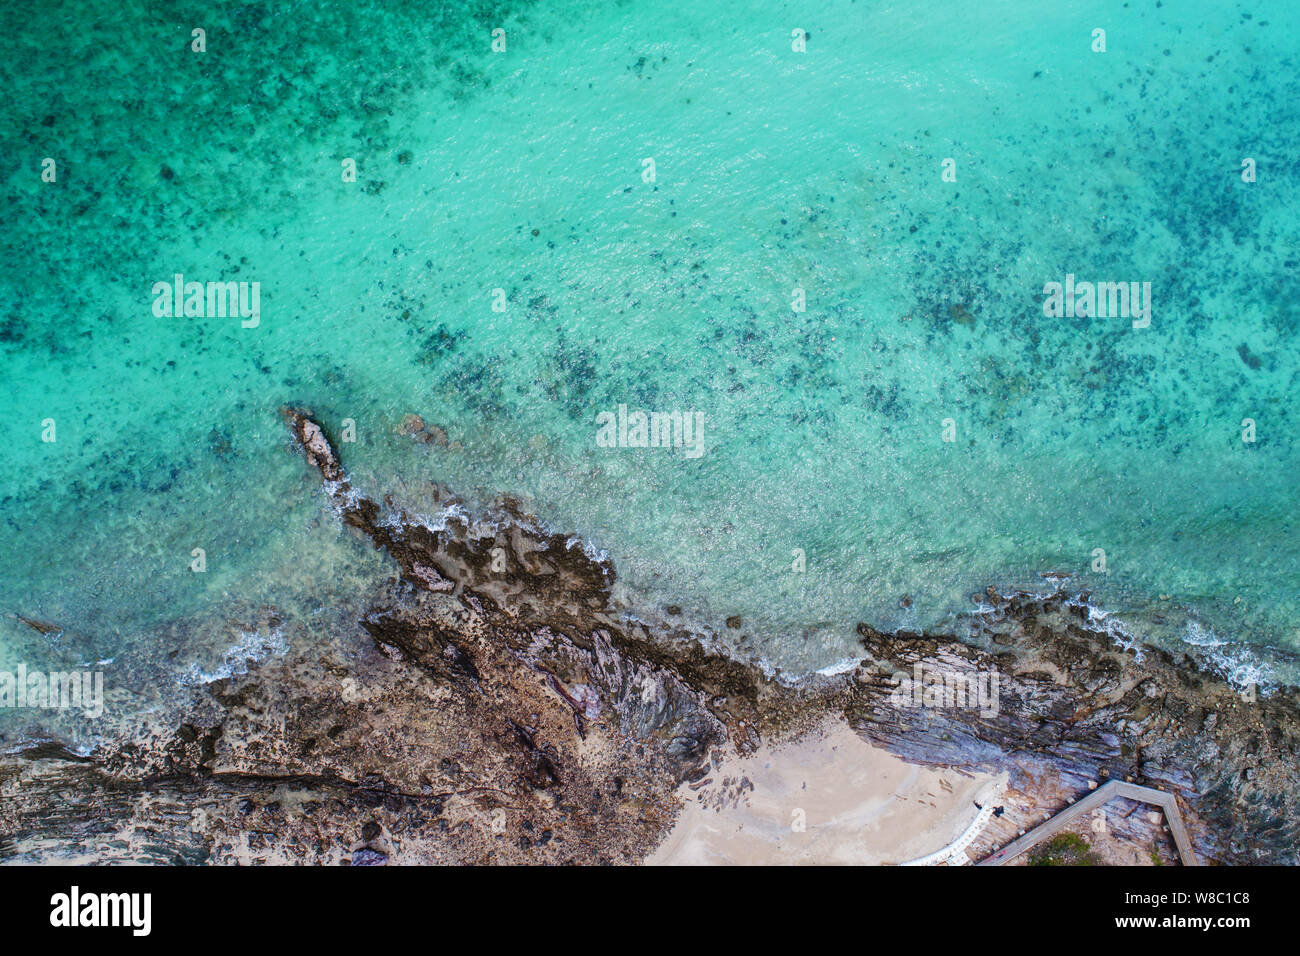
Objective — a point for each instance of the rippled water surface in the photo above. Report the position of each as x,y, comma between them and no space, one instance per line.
774,171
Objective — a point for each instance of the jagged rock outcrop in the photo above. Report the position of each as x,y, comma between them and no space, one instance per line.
494,706
497,713
1071,695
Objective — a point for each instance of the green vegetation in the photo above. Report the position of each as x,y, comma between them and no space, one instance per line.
1067,849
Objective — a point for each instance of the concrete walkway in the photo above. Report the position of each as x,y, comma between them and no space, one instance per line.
1116,788
954,854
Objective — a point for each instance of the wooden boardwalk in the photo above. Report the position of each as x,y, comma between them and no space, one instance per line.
1116,788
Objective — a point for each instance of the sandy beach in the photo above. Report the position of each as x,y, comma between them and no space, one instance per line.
857,804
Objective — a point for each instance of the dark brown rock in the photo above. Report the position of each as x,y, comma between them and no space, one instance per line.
469,703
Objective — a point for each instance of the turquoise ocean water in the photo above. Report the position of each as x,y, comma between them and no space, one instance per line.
774,169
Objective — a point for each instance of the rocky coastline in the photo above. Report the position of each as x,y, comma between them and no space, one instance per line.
504,711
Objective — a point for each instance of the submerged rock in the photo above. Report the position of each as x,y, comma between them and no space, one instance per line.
415,426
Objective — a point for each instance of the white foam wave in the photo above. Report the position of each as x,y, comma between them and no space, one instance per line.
251,649
1241,665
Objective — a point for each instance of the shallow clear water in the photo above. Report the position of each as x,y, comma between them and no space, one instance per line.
773,170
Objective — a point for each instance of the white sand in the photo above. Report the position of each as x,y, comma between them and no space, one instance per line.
858,804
